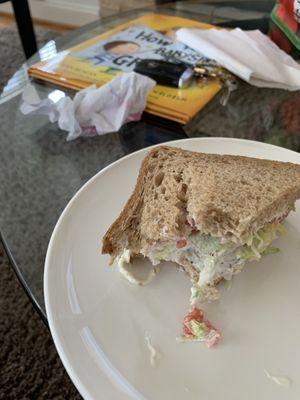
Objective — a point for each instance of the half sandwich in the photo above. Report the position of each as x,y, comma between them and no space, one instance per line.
208,213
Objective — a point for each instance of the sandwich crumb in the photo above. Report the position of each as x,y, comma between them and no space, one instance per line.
229,284
154,353
279,380
197,329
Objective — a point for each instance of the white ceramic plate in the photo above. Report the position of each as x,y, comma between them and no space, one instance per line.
98,320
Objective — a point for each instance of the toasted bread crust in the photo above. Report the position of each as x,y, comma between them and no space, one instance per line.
117,228
222,195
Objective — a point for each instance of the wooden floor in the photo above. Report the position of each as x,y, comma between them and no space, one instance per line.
7,20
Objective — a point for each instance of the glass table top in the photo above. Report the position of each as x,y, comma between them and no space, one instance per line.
40,171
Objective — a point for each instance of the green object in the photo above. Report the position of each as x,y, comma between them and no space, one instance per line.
259,243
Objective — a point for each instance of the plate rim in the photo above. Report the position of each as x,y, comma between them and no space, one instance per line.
80,386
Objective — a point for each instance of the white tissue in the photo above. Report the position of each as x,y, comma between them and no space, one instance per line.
94,110
251,55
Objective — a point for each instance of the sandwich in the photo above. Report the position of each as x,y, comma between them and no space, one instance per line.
208,213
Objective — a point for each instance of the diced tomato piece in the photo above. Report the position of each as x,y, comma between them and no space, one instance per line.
195,313
181,243
212,335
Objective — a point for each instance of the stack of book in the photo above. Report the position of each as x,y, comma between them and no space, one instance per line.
152,36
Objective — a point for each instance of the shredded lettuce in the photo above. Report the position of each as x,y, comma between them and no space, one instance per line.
198,329
271,250
259,244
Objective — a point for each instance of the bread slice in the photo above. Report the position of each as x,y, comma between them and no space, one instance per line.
221,195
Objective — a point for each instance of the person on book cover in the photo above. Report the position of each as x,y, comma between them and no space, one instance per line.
121,47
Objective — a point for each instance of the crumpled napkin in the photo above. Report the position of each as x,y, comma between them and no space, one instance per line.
251,55
94,111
